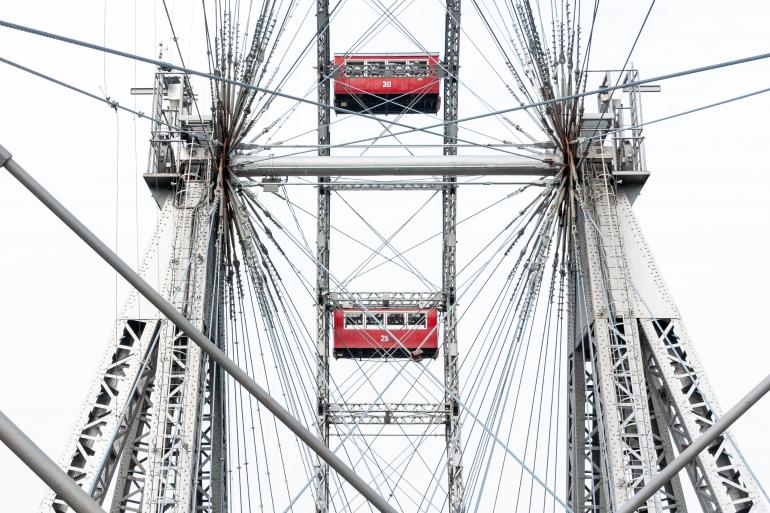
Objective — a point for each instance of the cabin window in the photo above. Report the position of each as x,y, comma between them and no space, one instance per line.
375,68
354,68
396,320
419,68
417,320
354,319
375,321
399,68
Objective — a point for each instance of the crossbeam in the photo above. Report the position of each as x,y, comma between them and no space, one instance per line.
387,299
421,165
388,413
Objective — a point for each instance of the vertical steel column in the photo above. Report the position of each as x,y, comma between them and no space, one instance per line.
322,252
586,485
171,478
684,405
629,448
449,220
219,499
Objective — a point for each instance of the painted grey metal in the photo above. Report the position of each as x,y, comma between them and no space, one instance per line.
103,429
719,475
628,447
650,395
388,413
450,165
32,456
454,450
323,233
672,492
167,457
170,472
388,299
323,60
586,487
92,455
698,446
638,394
416,186
129,487
185,326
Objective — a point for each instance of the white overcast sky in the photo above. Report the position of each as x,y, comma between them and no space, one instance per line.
704,210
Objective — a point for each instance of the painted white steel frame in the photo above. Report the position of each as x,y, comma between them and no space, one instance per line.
637,392
116,397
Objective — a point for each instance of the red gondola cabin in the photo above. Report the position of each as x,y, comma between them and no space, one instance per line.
387,84
371,335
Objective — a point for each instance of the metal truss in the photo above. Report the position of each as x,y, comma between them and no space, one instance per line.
118,395
628,448
170,477
587,487
388,413
387,299
129,491
672,495
99,443
155,415
323,224
637,391
637,395
454,452
406,186
687,407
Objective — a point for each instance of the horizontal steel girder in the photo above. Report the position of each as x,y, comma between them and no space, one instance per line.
388,413
445,165
386,299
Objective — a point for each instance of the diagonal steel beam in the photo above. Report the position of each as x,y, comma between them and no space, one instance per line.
699,445
43,466
173,315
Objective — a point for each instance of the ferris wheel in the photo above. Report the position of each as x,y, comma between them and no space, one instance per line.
359,295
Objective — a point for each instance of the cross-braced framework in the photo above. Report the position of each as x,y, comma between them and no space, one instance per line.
580,383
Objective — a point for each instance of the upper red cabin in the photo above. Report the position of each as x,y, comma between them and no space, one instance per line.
387,84
386,333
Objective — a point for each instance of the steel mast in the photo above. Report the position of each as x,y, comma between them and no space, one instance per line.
323,227
637,391
454,452
155,412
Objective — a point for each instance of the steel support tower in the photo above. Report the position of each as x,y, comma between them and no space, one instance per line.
154,416
637,391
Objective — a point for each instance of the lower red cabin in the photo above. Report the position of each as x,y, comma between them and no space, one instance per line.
387,83
386,333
